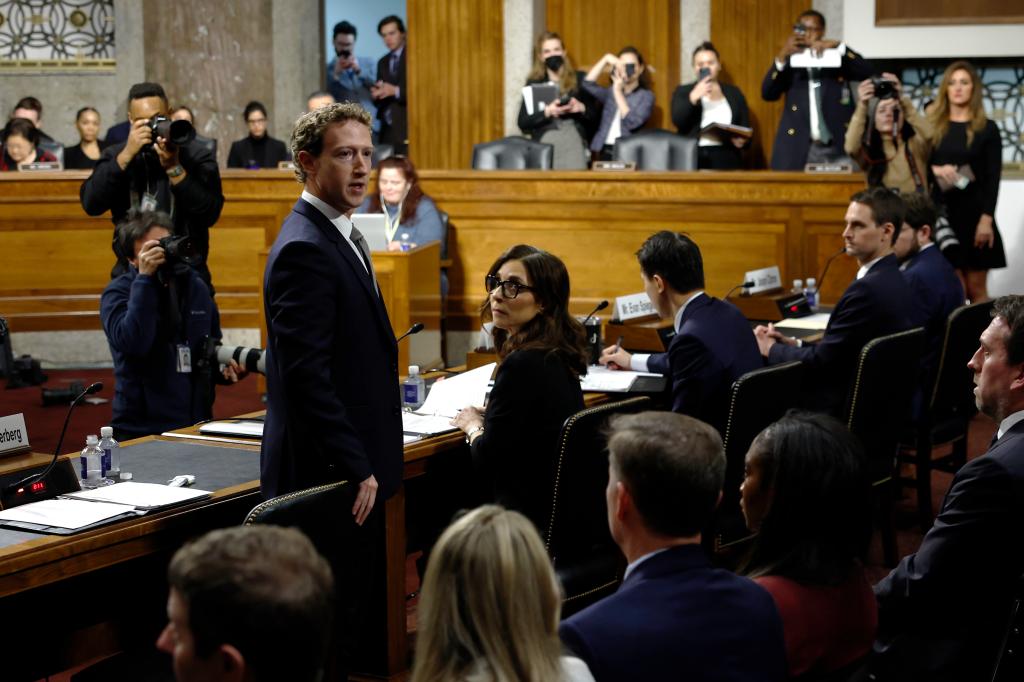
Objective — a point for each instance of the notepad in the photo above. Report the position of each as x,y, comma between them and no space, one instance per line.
603,380
815,322
141,496
446,398
243,428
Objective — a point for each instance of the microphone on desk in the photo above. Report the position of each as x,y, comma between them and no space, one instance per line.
29,480
824,271
600,306
415,329
748,283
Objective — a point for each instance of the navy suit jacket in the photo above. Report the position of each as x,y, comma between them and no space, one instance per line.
676,617
878,304
793,138
713,348
397,131
937,293
942,609
333,402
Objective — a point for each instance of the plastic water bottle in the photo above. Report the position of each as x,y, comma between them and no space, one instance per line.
811,292
92,463
414,390
111,453
798,286
403,241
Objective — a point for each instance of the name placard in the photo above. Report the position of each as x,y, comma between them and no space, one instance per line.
13,435
633,306
613,166
40,166
764,279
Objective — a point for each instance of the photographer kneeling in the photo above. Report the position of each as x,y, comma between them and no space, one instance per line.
888,137
157,317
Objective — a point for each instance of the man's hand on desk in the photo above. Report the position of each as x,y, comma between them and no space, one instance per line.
769,336
613,357
365,498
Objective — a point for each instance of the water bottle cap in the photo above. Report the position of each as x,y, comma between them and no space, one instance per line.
811,281
107,432
91,439
414,370
797,282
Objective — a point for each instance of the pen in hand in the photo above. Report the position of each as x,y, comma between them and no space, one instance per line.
618,347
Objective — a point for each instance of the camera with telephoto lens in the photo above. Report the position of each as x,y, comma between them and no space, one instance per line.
884,88
62,396
175,132
179,249
251,359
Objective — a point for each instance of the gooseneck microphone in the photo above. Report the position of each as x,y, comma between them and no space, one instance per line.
415,329
600,306
29,480
748,283
824,271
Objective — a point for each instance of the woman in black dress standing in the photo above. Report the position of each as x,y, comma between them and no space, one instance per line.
967,163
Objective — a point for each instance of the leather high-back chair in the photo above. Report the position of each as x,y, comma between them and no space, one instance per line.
512,153
756,400
657,150
949,407
588,562
878,405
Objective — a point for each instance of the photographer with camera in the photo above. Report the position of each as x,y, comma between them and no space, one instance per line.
888,137
158,317
159,168
350,78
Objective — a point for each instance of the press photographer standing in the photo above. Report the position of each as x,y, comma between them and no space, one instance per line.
150,173
157,316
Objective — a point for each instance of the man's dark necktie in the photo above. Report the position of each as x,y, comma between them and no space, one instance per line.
360,242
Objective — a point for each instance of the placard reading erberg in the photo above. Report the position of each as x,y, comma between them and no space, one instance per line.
13,435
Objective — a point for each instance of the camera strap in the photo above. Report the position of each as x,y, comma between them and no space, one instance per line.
914,172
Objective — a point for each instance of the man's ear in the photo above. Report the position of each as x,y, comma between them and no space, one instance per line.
623,501
889,229
232,662
1018,381
924,234
306,161
659,283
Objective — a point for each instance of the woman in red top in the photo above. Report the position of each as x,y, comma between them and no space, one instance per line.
20,145
806,495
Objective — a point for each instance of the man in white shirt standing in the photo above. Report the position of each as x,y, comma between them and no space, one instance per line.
819,103
944,609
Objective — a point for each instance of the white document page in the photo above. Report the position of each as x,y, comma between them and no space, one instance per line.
600,378
829,59
447,397
64,513
140,495
426,424
230,428
528,99
813,322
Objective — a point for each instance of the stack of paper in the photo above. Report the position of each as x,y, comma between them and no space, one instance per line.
446,398
600,379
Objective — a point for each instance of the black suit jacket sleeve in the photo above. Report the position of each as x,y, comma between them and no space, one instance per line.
992,167
697,375
303,311
107,188
776,83
835,348
199,195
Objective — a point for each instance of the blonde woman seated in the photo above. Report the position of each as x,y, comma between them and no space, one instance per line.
489,606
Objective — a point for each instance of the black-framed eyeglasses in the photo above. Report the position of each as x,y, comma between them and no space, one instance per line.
509,288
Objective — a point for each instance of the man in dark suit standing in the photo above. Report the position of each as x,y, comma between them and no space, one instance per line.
712,346
818,100
943,610
675,616
390,92
877,303
333,407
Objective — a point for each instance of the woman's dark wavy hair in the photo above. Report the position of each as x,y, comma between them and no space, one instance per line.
818,526
553,329
412,199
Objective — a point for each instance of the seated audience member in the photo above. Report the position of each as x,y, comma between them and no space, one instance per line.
626,105
806,494
812,124
248,603
412,216
86,153
943,611
674,616
877,303
707,101
568,123
349,78
318,99
150,173
937,290
258,150
489,605
889,138
21,140
543,351
712,346
32,109
183,113
157,317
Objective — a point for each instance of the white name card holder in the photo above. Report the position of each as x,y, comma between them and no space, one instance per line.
633,306
13,435
764,279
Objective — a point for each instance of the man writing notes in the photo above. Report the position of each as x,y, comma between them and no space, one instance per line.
333,407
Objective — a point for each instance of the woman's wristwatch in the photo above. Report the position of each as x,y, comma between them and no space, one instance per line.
472,432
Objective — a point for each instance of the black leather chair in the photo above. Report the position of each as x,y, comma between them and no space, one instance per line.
756,399
209,143
381,152
512,153
949,407
878,405
657,150
588,562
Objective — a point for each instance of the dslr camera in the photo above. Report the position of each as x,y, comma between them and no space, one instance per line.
179,249
884,88
175,132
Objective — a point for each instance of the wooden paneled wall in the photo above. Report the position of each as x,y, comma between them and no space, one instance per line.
748,35
590,28
455,79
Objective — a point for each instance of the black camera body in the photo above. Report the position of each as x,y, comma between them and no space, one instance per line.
179,249
175,132
884,88
344,54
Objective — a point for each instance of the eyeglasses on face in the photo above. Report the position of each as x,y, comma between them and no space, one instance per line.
509,288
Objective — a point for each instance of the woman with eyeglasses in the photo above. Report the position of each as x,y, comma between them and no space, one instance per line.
21,145
543,353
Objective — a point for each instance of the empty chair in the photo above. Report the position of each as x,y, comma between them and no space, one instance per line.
587,561
949,407
512,153
657,150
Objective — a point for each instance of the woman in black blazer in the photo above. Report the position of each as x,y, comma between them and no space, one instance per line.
543,352
705,101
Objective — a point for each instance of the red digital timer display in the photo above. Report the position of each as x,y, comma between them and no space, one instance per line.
39,486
